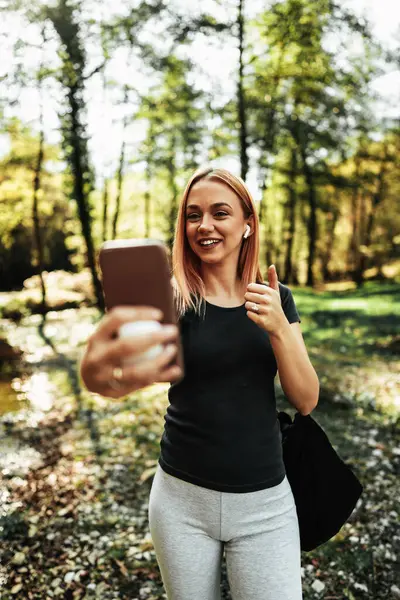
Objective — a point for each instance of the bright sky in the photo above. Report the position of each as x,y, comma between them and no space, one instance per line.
104,117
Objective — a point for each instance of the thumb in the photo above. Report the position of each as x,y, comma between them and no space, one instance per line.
273,278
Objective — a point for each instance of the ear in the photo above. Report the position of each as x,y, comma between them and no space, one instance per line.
250,222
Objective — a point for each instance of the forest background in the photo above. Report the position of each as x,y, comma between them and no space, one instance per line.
106,109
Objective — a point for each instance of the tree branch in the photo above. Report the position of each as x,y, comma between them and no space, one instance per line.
96,70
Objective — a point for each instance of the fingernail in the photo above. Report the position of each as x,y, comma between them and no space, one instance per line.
156,314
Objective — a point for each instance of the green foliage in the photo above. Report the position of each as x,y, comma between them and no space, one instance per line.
328,168
16,197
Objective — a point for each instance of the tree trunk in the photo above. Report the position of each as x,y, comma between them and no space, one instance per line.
312,220
291,217
377,198
105,209
358,273
261,207
81,197
353,249
244,161
147,200
298,135
35,207
330,235
75,144
174,194
120,175
269,237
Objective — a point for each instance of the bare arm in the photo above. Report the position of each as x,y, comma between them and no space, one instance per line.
297,375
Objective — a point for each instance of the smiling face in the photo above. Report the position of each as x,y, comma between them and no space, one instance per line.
214,212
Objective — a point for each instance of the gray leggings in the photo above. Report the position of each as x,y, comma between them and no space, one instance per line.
191,525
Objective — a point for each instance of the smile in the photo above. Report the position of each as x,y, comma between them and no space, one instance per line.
209,243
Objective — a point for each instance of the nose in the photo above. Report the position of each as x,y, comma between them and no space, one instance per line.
206,224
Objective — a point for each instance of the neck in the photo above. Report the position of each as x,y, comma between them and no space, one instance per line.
222,282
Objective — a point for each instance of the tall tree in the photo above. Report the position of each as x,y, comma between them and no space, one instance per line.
73,56
288,271
105,197
305,95
378,196
244,160
121,166
36,194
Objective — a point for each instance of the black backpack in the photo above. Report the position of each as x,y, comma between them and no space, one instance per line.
324,487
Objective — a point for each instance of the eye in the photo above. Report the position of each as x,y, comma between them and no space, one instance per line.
220,212
193,216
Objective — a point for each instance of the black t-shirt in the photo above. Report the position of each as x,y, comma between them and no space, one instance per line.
221,431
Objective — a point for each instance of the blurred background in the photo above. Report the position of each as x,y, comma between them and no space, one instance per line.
106,109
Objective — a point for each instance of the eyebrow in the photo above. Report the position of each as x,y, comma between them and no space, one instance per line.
215,204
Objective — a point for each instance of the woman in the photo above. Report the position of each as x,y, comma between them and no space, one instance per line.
220,483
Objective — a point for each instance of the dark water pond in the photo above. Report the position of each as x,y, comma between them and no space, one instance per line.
47,352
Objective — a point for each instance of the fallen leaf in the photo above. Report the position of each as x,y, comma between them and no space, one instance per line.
122,567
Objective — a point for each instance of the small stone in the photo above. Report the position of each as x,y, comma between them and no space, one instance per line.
69,577
93,557
17,588
395,591
318,586
309,568
95,534
32,531
18,558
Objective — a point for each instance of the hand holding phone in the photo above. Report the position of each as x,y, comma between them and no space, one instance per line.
133,328
136,282
136,272
106,350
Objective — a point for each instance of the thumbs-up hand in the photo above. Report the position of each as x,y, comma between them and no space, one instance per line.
263,303
273,278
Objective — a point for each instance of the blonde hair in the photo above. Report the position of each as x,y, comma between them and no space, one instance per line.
189,289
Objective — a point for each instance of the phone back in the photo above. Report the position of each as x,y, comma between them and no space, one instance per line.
137,272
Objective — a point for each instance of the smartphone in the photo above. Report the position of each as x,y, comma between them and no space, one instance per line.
138,272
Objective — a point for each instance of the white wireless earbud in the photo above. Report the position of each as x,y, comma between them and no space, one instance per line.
247,232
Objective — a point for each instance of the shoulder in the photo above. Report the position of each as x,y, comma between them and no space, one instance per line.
284,289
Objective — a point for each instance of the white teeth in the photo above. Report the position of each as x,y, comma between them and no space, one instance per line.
208,242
